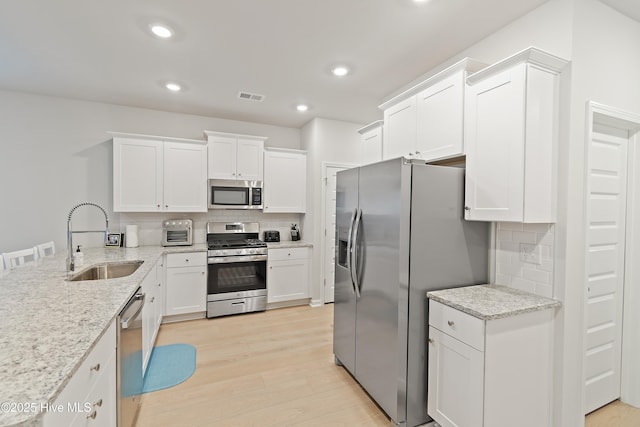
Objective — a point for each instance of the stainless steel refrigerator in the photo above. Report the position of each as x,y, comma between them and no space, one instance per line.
400,233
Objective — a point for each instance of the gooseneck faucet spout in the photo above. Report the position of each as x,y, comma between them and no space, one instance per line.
70,232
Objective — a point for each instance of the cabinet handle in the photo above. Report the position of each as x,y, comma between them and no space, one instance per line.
92,415
467,208
98,403
153,298
95,368
451,323
430,340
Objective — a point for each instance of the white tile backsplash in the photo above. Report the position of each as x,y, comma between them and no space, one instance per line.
150,224
510,271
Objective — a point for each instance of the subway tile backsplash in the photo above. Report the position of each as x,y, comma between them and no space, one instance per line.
150,224
511,271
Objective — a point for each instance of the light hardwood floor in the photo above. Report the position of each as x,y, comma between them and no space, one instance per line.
616,414
276,369
273,368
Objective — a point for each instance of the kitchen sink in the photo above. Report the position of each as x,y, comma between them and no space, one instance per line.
107,270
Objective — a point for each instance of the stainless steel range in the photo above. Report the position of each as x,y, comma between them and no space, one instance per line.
237,262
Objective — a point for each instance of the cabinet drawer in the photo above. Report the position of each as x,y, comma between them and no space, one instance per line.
186,259
99,362
459,325
287,253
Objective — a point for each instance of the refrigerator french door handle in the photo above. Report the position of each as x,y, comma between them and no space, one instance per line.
350,248
354,249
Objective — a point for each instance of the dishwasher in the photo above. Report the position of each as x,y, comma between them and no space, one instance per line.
129,363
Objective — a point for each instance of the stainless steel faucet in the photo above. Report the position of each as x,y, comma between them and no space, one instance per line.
70,257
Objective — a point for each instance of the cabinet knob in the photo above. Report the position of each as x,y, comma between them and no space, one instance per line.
92,415
239,174
451,323
203,273
186,260
98,403
430,340
95,368
467,208
153,299
158,205
166,206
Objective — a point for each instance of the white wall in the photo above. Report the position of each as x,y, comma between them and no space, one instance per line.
55,153
326,141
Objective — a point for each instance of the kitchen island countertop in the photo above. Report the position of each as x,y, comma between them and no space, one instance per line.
490,302
49,325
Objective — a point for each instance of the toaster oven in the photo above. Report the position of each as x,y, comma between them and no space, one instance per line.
177,232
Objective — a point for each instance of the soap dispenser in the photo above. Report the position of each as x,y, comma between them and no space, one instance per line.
78,257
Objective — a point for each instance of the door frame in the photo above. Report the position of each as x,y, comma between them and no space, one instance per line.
323,222
630,370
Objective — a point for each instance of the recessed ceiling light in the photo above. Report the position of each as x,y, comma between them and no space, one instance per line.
302,107
340,71
161,31
173,87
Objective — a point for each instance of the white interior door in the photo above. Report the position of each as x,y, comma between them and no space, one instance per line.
606,229
330,230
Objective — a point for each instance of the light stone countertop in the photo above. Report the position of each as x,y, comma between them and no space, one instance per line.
49,325
490,302
289,244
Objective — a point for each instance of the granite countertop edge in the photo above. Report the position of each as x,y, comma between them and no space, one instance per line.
48,274
492,302
283,244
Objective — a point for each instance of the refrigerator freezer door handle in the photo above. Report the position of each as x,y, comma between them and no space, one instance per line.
354,251
350,250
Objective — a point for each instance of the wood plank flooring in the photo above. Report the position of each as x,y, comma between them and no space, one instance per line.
616,414
276,368
264,369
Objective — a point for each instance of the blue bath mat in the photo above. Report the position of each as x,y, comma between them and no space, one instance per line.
169,365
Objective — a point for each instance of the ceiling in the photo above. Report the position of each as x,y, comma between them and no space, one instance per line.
631,8
282,49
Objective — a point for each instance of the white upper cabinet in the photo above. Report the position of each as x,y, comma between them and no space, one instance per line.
371,147
400,129
511,114
156,174
285,180
426,121
238,157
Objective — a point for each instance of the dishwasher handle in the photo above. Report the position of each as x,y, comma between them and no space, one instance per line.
135,306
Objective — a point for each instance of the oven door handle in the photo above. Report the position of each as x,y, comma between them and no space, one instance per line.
237,258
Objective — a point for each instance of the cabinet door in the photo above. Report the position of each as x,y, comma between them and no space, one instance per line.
222,157
249,160
186,290
185,177
371,147
160,293
101,402
285,182
494,138
455,383
400,130
440,112
148,317
287,280
137,175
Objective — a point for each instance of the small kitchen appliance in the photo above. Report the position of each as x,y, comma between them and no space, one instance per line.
234,194
237,269
177,232
271,236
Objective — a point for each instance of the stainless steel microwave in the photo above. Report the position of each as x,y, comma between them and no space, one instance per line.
232,194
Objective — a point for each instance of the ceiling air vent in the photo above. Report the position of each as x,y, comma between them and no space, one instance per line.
250,96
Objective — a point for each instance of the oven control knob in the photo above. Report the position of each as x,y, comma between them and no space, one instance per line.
252,251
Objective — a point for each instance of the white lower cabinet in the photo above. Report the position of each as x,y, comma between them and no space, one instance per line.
491,373
152,312
186,284
287,274
89,398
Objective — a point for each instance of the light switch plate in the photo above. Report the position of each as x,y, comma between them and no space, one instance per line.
530,253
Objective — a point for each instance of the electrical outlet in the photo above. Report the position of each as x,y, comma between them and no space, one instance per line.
530,253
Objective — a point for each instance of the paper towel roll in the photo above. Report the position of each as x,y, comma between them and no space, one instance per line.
131,236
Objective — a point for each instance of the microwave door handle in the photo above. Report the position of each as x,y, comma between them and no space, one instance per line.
354,249
350,248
